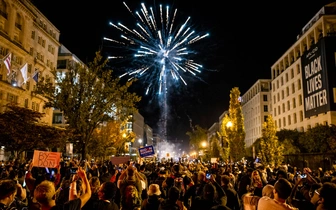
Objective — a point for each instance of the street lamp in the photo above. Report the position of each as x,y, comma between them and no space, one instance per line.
140,142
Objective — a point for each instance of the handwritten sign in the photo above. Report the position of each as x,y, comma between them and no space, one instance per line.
46,159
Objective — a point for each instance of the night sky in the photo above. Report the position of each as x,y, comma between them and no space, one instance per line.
246,38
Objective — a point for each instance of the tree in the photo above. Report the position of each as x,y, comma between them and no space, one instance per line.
271,150
108,136
21,131
88,96
236,130
318,139
289,139
214,147
197,136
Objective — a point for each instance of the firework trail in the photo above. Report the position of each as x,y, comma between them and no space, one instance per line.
159,48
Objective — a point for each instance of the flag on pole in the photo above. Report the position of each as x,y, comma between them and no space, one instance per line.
35,77
24,70
7,61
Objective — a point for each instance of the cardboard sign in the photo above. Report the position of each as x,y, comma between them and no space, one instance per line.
146,151
46,159
119,160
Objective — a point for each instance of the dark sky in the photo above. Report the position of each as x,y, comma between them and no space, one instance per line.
246,38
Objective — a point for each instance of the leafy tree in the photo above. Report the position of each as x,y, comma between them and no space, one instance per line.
109,135
215,147
236,132
88,96
223,134
289,139
271,150
197,136
319,139
21,131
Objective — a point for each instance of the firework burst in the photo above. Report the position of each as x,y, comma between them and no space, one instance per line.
158,47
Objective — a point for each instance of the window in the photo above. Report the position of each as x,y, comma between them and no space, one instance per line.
29,68
286,77
33,35
301,116
26,103
265,118
300,100
274,111
284,121
294,103
278,110
274,99
289,120
293,88
298,69
282,81
277,84
279,123
299,84
283,108
265,97
288,105
27,86
278,96
294,118
265,108
282,94
12,98
292,73
57,118
287,91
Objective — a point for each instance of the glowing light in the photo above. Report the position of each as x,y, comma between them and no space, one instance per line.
158,47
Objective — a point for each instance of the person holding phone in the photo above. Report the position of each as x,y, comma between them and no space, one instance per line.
44,193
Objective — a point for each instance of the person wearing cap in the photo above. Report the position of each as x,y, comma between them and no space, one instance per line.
154,198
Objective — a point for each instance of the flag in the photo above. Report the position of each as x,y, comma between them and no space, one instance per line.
35,77
24,70
7,62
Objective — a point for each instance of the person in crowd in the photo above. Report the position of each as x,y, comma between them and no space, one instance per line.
160,179
95,187
172,202
130,176
233,200
8,190
244,182
130,199
207,200
282,190
195,190
256,183
153,200
106,193
45,192
327,194
105,175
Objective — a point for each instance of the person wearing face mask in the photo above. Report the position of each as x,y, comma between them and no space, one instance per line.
8,190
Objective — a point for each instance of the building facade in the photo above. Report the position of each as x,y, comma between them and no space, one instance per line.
256,104
28,48
304,77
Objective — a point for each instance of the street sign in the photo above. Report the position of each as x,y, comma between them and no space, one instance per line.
146,151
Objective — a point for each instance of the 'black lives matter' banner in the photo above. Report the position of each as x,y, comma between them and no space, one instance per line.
314,80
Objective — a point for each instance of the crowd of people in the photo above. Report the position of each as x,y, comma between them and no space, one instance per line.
166,185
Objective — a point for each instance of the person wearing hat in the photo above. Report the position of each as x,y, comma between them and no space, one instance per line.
154,198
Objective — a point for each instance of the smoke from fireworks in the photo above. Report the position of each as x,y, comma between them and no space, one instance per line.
158,47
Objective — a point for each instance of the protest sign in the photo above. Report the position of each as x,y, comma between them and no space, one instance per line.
146,151
46,159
